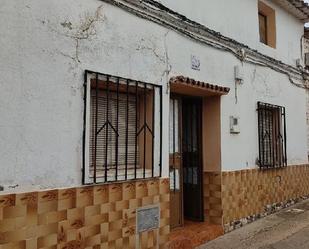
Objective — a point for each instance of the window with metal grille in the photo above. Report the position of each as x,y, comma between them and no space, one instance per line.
122,129
272,136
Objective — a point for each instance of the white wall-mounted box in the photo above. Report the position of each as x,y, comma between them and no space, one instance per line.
234,125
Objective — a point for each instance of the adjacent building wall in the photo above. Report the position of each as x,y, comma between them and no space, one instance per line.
238,19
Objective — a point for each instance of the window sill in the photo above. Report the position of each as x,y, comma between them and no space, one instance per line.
111,175
264,45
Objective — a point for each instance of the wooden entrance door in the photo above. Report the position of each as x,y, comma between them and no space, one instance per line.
192,159
175,162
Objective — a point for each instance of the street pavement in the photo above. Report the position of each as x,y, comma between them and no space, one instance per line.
287,229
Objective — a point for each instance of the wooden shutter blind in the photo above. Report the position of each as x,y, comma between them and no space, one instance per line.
102,121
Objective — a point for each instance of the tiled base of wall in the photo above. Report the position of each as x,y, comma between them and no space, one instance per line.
248,192
212,198
269,209
104,216
97,217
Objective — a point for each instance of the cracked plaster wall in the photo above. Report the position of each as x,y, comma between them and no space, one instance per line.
47,45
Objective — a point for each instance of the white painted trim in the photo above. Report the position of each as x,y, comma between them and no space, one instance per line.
87,179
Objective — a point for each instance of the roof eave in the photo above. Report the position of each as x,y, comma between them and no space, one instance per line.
297,8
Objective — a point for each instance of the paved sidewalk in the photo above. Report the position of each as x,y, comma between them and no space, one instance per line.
287,229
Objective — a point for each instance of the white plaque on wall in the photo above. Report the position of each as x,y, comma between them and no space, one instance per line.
195,63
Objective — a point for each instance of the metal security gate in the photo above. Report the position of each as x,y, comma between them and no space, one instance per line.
192,159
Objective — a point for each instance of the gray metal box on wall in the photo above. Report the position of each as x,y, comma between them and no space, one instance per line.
147,219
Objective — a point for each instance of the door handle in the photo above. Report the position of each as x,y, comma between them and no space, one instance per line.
177,155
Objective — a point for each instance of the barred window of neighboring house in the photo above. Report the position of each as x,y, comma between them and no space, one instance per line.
272,136
123,129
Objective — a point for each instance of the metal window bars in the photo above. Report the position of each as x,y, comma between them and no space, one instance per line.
124,129
272,136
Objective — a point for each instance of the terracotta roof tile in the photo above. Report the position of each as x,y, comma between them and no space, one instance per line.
198,85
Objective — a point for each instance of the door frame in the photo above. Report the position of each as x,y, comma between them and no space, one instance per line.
180,98
181,208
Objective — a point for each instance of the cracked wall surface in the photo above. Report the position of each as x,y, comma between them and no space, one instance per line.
45,48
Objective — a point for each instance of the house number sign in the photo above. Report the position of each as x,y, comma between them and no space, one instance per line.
195,63
147,218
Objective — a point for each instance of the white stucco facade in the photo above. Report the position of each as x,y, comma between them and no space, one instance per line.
45,47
